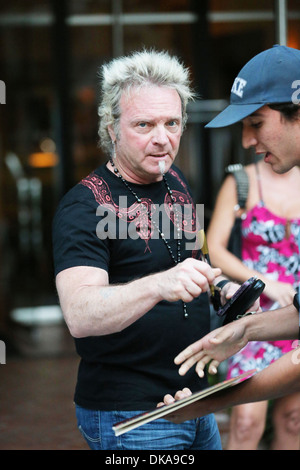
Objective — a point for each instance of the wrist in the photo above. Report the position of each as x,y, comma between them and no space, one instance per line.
251,326
154,286
222,283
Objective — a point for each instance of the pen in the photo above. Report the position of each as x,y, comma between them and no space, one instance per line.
205,253
204,246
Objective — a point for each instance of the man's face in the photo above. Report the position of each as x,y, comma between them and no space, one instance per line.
149,132
269,133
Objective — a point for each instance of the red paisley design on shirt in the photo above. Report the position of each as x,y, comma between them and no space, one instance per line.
138,212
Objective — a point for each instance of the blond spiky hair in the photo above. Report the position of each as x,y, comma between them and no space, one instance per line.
137,70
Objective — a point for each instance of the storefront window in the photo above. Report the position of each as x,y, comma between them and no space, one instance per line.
28,155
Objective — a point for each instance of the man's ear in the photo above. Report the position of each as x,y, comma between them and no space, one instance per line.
111,133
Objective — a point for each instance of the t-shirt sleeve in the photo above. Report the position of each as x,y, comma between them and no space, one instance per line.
75,241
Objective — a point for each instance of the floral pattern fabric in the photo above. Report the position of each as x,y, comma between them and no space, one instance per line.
269,246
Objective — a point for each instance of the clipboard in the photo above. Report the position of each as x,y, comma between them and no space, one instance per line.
132,423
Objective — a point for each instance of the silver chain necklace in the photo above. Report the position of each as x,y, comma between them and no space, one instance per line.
177,259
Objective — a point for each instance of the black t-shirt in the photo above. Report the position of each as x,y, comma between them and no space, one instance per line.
99,223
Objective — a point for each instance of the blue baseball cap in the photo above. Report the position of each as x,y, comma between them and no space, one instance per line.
269,77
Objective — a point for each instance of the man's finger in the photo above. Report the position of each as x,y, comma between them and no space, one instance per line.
188,352
190,362
213,367
183,393
201,365
168,399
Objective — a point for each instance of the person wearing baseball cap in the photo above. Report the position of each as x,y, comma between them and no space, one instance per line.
272,76
265,97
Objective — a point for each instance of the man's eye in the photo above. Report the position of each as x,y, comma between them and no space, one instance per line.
142,125
256,125
173,125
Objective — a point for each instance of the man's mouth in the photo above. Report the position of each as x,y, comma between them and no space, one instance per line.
159,155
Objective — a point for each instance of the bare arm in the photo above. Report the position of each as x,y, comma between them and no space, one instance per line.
224,342
219,232
218,236
92,307
279,379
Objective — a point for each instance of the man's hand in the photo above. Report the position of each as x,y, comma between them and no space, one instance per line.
168,399
186,281
219,344
213,348
192,411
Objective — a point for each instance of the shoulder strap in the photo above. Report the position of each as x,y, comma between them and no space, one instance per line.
259,183
242,183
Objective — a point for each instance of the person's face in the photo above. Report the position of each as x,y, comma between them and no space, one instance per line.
270,134
149,132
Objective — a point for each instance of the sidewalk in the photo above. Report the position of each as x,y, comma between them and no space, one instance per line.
36,405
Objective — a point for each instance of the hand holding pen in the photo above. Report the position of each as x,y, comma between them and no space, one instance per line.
206,258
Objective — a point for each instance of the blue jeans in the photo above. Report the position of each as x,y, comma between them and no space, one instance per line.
96,428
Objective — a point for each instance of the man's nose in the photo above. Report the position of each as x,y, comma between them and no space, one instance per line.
248,138
159,135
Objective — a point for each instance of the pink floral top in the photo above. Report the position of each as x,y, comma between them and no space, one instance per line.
269,246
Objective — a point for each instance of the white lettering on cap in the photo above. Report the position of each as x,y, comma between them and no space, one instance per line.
296,94
238,86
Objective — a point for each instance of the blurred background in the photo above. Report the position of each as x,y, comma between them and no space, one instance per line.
50,54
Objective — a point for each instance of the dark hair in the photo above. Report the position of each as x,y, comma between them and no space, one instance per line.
289,111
